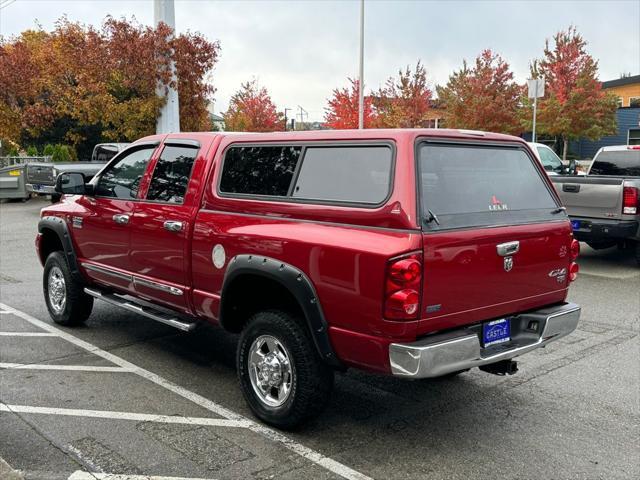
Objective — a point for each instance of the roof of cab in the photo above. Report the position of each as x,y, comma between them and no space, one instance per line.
382,134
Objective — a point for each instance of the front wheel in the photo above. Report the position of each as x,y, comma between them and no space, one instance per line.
66,301
282,377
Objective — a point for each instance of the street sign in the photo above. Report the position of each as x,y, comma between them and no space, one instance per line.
536,87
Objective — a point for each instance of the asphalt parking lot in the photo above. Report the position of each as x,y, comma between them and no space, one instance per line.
126,398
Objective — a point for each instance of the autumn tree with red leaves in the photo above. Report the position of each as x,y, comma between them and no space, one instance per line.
404,102
483,96
252,110
342,110
82,85
574,104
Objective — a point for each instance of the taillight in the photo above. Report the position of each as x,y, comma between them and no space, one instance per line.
573,271
630,200
575,249
403,283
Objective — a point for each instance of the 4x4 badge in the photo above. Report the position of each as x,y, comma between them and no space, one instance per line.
508,264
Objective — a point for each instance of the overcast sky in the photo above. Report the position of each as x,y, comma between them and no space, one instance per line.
302,50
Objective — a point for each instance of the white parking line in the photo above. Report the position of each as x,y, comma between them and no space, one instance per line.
137,417
308,453
79,475
73,368
27,334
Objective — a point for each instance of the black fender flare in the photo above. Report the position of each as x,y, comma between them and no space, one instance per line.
60,228
298,284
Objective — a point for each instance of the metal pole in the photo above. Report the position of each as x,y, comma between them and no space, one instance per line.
535,109
361,77
169,119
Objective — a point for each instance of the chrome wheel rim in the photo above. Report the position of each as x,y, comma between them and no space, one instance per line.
56,289
270,370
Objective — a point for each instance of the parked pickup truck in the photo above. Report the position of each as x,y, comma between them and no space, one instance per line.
41,176
604,205
414,253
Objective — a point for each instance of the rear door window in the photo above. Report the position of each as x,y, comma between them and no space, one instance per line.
622,163
171,174
351,174
475,186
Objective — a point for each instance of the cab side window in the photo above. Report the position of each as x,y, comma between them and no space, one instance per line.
122,179
171,174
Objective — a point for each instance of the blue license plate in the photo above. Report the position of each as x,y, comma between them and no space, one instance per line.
575,224
37,187
496,331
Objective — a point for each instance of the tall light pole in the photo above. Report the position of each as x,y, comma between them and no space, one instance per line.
361,77
169,119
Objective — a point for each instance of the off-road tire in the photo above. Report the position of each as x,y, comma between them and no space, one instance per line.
312,380
78,305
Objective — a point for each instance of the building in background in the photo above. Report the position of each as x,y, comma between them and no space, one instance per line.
217,121
628,116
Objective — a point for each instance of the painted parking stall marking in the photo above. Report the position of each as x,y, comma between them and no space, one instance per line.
72,368
27,334
230,418
137,417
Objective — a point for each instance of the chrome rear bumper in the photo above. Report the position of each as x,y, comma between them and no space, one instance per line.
461,349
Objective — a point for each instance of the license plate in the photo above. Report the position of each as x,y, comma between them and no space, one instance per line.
575,224
37,187
496,331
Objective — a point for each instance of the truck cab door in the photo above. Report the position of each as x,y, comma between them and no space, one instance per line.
161,226
102,230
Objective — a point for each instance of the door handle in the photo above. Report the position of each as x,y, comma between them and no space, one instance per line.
509,248
173,225
121,218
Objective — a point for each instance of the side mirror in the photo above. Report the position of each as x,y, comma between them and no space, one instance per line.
71,183
573,169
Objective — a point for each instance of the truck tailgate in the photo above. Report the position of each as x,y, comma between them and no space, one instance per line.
592,196
40,173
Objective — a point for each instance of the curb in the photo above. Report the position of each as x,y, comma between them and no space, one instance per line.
8,473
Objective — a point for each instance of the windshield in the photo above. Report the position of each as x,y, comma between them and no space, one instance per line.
467,186
623,163
550,161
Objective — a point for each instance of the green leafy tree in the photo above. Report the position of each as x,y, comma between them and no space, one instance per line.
574,105
48,150
32,151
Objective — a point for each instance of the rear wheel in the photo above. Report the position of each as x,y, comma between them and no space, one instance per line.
282,377
66,301
637,251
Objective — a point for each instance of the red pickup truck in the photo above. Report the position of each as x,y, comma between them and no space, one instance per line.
415,253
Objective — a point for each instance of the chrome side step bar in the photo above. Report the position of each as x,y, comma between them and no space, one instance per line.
148,312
